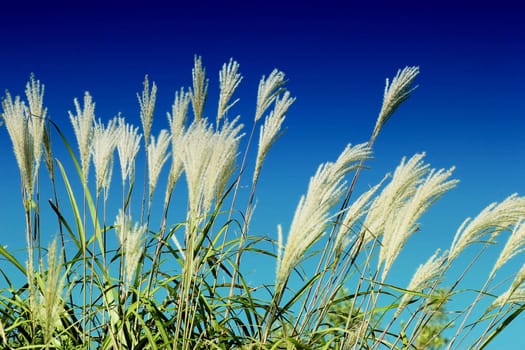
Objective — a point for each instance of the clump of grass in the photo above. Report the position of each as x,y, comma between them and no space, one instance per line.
141,280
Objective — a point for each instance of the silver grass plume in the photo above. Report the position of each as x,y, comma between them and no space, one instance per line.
102,150
50,306
200,88
515,293
208,157
17,124
224,146
353,214
514,246
229,79
128,145
267,92
147,107
489,222
402,221
83,126
37,117
395,94
131,240
177,120
397,191
423,278
313,211
157,157
271,130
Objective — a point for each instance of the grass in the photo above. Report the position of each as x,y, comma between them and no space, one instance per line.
122,282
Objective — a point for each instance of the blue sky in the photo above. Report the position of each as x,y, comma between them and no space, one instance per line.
467,111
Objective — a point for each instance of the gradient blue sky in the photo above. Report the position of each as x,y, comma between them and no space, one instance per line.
468,110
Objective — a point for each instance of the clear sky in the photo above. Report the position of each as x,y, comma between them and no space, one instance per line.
468,110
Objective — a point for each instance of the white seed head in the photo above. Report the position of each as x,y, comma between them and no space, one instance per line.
177,120
268,90
402,186
423,278
395,94
514,246
200,88
352,216
489,222
229,79
313,212
271,130
83,122
15,115
157,156
50,306
131,240
102,150
402,221
128,145
147,106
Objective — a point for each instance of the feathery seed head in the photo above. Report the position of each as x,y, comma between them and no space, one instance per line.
147,107
271,130
514,246
268,90
18,126
209,158
128,145
397,191
402,221
83,126
177,120
313,211
423,278
35,97
102,150
352,215
395,94
489,222
131,240
229,79
179,112
200,88
50,305
158,155
37,116
515,293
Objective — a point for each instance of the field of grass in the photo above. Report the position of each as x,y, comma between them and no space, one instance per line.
125,282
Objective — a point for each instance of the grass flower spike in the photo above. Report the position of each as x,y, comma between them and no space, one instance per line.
50,306
83,123
271,130
514,246
313,211
269,89
102,149
229,79
191,272
200,89
395,94
131,241
17,124
423,278
147,107
158,155
402,221
490,222
128,145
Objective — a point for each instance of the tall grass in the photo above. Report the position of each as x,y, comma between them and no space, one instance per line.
133,279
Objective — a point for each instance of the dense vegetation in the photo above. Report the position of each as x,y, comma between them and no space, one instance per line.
117,280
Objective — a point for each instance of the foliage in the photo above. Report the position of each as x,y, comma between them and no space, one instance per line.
136,277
